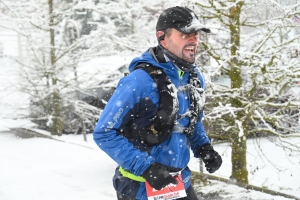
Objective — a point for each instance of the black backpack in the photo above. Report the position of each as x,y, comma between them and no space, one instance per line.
163,121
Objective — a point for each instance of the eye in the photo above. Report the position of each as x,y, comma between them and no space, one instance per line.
189,35
184,35
194,34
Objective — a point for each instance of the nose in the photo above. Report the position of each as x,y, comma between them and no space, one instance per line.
194,37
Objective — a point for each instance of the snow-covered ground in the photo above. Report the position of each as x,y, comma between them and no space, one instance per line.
39,168
45,169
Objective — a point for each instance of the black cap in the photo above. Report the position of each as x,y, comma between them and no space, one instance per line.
180,18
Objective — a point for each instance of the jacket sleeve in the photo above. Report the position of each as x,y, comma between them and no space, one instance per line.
199,138
128,92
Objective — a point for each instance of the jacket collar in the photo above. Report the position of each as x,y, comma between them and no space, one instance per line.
157,54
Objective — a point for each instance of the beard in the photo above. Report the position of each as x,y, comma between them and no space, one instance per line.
188,56
183,65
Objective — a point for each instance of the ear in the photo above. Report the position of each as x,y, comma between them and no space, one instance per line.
160,35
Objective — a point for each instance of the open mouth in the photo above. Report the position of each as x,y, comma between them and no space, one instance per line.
189,52
190,49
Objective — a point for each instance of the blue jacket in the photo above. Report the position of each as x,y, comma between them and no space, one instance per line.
134,102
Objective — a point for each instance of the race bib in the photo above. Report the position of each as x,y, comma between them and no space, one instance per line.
169,192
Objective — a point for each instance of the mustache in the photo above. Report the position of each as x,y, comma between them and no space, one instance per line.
189,45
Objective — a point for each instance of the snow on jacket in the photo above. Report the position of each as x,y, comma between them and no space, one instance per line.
134,103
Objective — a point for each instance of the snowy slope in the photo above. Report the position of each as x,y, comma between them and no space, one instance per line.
39,168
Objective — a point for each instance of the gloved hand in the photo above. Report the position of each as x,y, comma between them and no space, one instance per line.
158,176
210,157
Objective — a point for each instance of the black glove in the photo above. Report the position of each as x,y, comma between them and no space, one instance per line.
210,157
158,177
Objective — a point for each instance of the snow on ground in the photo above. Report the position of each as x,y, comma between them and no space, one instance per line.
40,168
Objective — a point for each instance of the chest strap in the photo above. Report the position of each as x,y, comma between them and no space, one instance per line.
197,99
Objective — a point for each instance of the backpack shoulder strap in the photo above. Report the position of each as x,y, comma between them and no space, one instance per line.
166,114
168,103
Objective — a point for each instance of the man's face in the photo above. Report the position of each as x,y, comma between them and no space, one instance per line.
182,45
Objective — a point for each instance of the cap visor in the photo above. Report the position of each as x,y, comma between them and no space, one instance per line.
206,30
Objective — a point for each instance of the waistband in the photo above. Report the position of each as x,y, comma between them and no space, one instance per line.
173,171
131,176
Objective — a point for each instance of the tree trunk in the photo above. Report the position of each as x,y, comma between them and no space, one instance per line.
56,124
239,146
